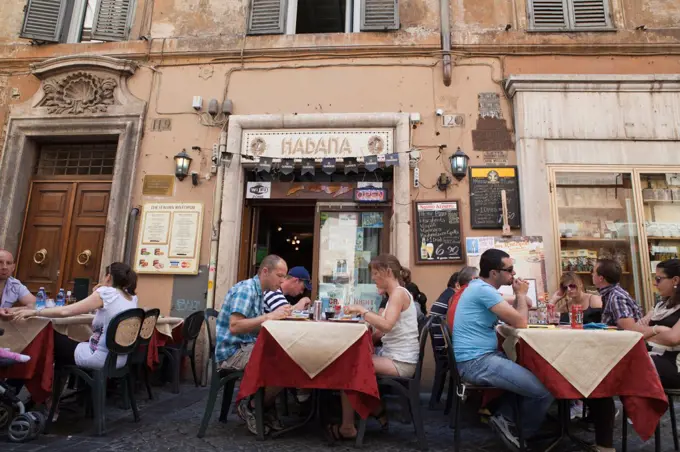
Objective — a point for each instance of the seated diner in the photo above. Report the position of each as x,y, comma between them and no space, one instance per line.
400,345
13,295
571,292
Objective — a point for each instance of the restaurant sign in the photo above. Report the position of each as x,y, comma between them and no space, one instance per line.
370,195
317,143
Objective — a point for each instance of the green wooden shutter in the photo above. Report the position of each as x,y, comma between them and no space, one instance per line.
588,14
112,20
379,15
267,17
44,20
548,15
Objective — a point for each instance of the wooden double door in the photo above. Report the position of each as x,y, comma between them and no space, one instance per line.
63,234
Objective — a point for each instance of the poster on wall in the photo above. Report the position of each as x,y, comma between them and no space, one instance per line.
528,255
169,239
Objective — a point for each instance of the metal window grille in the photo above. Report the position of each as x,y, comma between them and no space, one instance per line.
76,159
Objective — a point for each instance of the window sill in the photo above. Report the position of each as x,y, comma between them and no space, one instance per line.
572,30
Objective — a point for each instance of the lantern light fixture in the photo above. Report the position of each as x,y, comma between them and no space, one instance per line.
182,164
459,164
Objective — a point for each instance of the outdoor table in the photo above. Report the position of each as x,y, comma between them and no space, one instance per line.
35,337
578,364
168,331
314,355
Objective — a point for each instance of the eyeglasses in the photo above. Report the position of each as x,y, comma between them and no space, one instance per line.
569,286
509,269
658,279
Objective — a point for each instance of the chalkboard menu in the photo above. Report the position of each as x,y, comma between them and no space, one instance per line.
437,225
486,209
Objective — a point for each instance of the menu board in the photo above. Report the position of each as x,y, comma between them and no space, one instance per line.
438,236
169,239
486,209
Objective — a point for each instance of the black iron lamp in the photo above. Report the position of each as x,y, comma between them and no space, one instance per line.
182,164
459,164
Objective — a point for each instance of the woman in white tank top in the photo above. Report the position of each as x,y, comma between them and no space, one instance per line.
399,325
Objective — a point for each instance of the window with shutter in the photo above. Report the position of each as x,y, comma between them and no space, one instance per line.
379,15
569,15
44,20
590,14
267,17
112,20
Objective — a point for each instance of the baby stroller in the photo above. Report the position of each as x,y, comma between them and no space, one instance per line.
20,425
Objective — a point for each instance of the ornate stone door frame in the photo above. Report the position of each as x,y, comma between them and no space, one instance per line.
79,97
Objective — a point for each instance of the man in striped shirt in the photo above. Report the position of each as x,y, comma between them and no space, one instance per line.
296,282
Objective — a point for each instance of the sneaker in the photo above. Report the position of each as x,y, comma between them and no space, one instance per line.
506,430
271,418
246,413
576,411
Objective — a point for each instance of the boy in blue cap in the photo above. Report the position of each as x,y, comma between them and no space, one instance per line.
296,282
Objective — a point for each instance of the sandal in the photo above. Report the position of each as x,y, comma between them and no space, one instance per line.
334,433
382,419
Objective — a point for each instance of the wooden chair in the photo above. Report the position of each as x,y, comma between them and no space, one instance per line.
122,335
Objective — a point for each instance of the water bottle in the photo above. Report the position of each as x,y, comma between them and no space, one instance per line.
40,299
69,297
61,298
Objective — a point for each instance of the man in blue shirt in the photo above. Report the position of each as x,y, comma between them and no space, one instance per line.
237,326
476,346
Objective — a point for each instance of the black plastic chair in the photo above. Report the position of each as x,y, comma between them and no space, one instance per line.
190,331
138,359
441,365
220,378
409,391
670,393
122,335
460,387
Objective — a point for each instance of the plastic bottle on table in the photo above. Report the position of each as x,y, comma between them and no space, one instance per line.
40,299
61,298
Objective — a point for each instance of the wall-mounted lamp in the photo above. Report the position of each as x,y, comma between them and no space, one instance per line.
182,164
443,182
459,164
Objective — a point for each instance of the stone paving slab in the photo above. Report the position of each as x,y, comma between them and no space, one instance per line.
171,423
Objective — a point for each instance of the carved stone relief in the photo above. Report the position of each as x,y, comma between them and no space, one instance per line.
78,93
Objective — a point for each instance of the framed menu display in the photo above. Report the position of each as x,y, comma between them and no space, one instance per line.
169,239
486,208
437,232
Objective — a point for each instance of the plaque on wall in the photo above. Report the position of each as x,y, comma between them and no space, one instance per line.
437,232
486,209
158,185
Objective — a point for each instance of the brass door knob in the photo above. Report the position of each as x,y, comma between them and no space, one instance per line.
84,257
40,256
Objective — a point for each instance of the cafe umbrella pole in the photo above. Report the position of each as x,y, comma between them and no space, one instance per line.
214,242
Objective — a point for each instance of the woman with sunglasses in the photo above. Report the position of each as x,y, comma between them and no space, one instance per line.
664,321
571,293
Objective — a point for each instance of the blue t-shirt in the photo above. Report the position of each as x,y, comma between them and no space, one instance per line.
474,331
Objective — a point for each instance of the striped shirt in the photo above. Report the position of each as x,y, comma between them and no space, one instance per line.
274,300
438,311
618,304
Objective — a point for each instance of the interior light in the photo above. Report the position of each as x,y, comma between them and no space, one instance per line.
280,229
297,249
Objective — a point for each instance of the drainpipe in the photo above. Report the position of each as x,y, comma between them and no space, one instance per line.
214,242
446,40
132,222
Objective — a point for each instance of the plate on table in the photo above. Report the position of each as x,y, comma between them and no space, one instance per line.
295,318
345,320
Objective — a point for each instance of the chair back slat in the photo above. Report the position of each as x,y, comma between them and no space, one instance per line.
448,339
210,325
149,325
424,332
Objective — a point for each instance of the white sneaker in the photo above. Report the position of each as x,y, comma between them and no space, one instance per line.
505,430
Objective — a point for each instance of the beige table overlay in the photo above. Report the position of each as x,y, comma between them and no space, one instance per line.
19,334
314,345
582,357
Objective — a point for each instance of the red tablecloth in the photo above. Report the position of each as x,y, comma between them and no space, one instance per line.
37,373
352,372
634,379
159,339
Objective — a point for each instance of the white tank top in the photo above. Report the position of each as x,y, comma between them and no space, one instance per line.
401,344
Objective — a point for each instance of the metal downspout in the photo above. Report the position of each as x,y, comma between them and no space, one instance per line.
446,40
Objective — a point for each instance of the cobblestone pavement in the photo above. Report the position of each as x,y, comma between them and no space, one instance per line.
171,422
